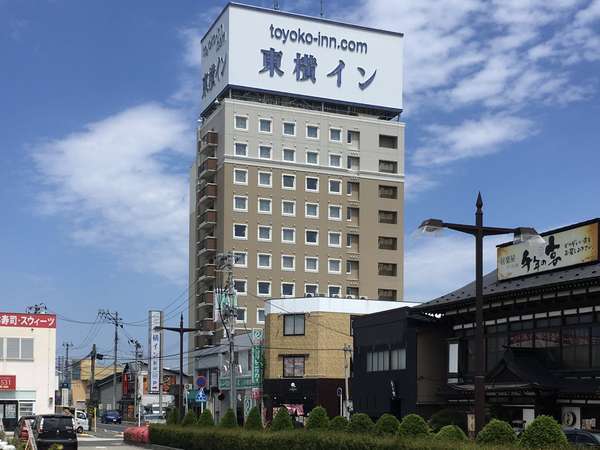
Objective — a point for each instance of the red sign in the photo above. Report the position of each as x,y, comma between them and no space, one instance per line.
27,320
8,382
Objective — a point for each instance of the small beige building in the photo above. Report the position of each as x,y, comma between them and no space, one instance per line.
308,350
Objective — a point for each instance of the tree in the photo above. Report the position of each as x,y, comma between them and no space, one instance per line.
451,433
282,420
413,425
360,423
387,425
206,419
543,432
338,423
189,418
173,417
228,420
497,432
317,419
253,421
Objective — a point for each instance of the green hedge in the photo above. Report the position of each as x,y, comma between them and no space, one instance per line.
360,423
317,419
543,432
387,425
206,419
413,425
497,432
253,421
282,421
451,433
339,424
228,420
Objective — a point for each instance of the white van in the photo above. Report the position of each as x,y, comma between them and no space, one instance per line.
81,421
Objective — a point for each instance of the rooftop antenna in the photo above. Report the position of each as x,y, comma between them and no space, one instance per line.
322,9
276,5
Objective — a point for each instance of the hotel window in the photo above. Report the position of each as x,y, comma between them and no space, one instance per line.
288,262
388,166
260,315
387,294
311,237
388,192
390,217
312,184
240,286
335,187
265,125
19,349
263,288
388,243
264,205
352,241
240,259
289,128
263,260
398,359
453,357
312,131
241,123
353,139
240,231
240,176
264,152
293,325
293,366
335,212
264,233
334,266
240,149
288,181
335,239
334,291
311,210
387,269
335,134
240,203
311,264
288,235
240,315
289,155
288,208
265,179
288,289
378,361
335,160
353,163
310,288
312,157
388,141
353,293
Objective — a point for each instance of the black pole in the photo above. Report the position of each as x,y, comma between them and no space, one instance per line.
181,332
479,334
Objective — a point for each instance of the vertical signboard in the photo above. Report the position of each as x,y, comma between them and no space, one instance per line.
155,353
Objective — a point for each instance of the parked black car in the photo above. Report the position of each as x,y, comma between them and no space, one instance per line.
49,429
111,417
582,438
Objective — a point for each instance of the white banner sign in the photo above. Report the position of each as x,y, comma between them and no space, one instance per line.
155,346
273,51
562,249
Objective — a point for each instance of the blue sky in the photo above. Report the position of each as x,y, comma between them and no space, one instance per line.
99,102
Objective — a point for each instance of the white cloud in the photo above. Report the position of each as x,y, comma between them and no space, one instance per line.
469,139
438,265
119,182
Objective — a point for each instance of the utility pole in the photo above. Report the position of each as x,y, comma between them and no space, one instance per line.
93,355
137,349
347,358
118,322
67,374
228,315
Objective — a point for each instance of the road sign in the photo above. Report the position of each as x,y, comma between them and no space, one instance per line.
200,396
201,382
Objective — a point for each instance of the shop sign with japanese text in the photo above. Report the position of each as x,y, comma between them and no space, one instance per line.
272,51
27,320
8,382
561,249
155,344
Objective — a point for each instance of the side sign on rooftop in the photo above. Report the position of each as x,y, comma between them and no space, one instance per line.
562,249
270,51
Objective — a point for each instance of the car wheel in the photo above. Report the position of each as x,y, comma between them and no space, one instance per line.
80,430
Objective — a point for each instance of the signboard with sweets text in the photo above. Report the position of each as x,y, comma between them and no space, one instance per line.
277,52
562,249
27,320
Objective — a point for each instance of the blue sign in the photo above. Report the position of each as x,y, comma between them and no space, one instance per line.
201,381
200,396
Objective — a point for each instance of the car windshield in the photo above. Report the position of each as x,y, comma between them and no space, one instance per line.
112,413
60,423
597,436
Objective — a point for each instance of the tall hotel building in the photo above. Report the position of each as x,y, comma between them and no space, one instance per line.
300,163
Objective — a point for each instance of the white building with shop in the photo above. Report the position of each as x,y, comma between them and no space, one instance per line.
27,365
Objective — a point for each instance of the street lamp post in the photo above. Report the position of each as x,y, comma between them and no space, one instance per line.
479,231
182,331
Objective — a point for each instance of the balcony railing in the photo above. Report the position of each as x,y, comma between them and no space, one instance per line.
209,140
207,192
206,298
208,244
207,219
206,271
208,167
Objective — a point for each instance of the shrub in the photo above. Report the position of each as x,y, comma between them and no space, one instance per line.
206,419
387,425
338,423
253,421
318,419
543,432
173,417
282,420
497,432
228,420
447,417
136,435
413,425
189,418
360,423
451,433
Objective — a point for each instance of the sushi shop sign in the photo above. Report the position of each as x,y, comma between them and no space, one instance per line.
562,248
